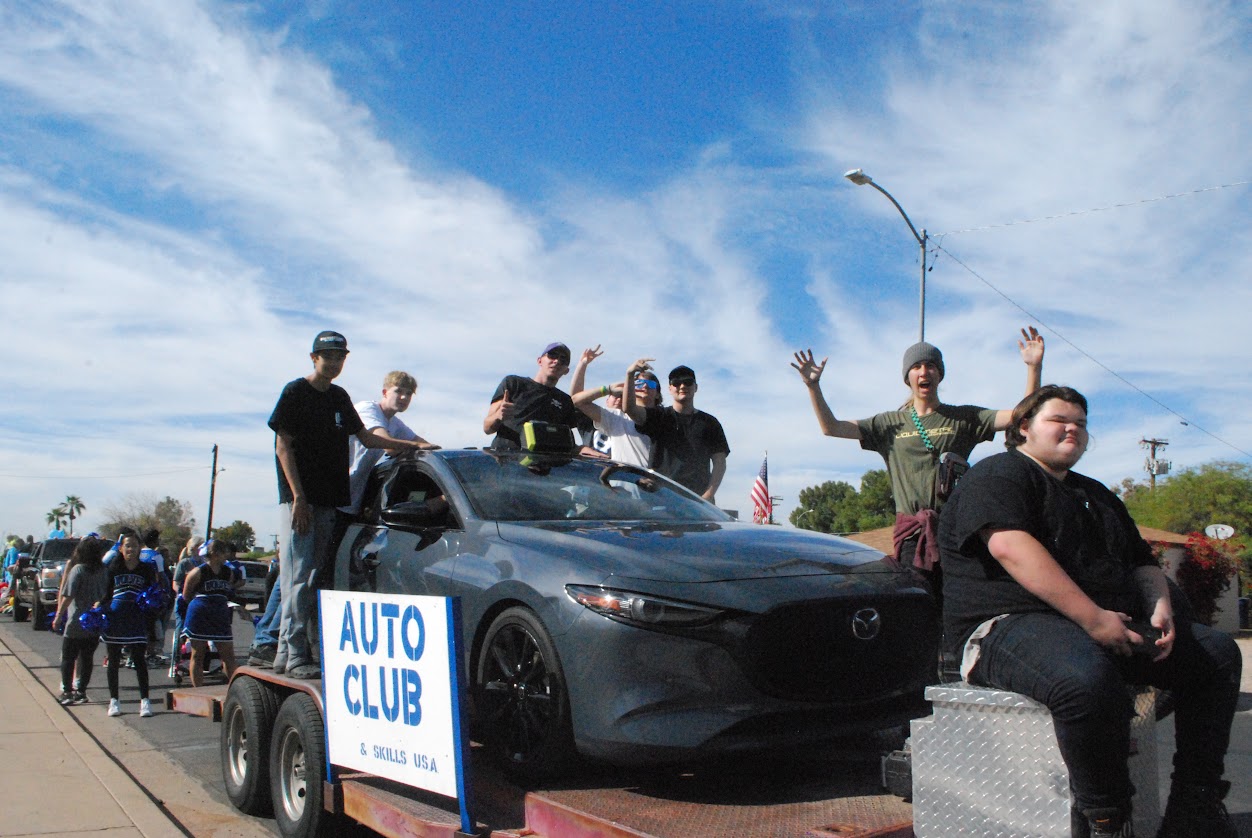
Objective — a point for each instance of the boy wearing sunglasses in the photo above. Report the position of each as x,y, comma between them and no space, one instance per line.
519,400
623,441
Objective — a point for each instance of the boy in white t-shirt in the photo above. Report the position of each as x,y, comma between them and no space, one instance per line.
616,433
383,418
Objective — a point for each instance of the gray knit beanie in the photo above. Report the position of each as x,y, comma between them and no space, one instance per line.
919,352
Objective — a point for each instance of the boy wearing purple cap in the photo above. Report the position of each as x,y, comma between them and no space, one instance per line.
518,400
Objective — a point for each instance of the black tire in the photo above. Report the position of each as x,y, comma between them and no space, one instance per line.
21,613
521,700
298,770
39,616
247,725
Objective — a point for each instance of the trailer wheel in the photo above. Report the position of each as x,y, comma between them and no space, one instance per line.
247,724
298,769
39,615
20,612
521,699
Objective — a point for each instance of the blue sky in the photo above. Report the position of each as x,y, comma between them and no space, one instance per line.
189,191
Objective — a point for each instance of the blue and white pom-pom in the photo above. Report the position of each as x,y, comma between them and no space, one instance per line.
94,620
153,600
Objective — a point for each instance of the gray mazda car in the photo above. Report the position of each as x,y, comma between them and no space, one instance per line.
609,612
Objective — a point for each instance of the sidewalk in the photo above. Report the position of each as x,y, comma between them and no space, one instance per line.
56,779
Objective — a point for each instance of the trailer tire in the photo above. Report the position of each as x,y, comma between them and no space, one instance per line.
298,770
247,725
521,698
21,613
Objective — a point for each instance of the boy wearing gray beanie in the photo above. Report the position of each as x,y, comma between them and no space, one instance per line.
916,439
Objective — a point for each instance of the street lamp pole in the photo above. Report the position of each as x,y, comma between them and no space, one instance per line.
859,177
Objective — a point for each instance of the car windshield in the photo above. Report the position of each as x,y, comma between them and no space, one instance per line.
57,550
510,488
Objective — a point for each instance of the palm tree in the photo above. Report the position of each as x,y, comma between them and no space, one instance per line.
56,517
73,507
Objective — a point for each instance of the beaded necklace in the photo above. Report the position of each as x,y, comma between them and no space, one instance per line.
917,423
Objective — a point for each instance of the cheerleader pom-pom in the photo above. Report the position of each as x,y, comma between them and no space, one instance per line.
153,600
94,620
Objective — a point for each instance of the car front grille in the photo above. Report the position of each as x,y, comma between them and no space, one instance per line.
810,651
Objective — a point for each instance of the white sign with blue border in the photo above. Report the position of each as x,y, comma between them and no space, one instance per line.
391,688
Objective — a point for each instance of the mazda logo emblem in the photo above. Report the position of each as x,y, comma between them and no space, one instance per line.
866,624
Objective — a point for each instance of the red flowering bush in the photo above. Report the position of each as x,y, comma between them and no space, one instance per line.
1206,572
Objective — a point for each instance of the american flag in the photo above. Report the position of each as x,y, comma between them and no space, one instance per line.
762,506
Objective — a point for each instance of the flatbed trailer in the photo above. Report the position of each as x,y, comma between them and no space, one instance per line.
835,795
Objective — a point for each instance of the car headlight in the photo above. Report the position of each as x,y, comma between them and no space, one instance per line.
643,610
49,578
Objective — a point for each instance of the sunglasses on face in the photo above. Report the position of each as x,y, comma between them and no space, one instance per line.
646,384
683,382
558,356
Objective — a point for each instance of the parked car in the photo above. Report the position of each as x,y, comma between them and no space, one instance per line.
609,612
253,590
39,582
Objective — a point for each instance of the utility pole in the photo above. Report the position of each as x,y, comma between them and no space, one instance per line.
1152,465
208,528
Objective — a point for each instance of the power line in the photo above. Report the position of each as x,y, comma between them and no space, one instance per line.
1095,209
112,475
1089,356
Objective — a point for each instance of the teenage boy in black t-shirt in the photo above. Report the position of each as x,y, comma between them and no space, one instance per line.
688,445
518,400
312,423
1043,572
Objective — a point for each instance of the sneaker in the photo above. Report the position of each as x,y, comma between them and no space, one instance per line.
66,698
80,697
115,707
1112,822
305,671
145,707
261,657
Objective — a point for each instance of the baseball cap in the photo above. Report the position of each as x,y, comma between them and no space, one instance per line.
557,347
329,340
681,372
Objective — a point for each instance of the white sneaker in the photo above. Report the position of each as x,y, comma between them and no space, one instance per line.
145,707
115,707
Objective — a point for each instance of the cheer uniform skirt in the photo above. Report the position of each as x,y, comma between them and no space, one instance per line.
208,618
127,623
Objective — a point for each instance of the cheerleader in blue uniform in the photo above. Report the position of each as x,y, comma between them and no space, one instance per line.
207,591
127,629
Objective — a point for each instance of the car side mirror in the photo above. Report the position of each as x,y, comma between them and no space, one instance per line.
416,515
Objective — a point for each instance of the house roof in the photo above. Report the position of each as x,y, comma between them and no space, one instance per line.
880,539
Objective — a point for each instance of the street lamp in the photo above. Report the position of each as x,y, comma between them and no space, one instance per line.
859,177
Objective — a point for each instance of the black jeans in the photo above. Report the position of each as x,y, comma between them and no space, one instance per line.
77,652
137,651
1050,659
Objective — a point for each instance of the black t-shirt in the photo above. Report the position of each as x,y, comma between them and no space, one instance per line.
120,579
683,445
534,402
1079,521
320,424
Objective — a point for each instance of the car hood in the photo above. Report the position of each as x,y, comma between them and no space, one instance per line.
696,552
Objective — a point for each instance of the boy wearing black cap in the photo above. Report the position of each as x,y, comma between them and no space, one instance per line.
518,400
914,439
312,423
688,445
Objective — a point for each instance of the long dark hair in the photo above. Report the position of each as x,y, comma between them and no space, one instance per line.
89,552
1032,404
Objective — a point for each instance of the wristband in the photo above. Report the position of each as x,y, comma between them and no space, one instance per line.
604,391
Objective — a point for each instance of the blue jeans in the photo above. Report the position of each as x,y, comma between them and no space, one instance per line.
1050,659
303,554
267,628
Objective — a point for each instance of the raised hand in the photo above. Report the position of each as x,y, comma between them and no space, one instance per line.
1031,346
590,355
640,365
810,371
506,406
